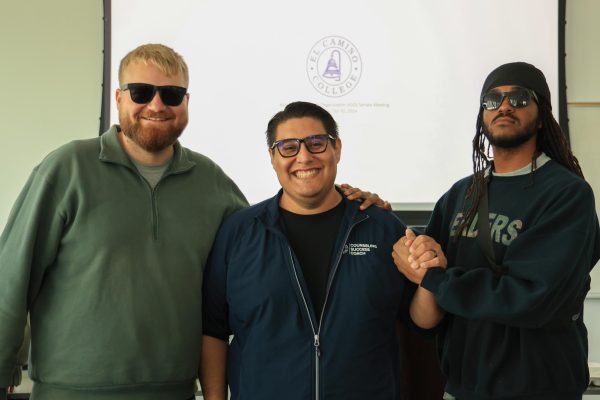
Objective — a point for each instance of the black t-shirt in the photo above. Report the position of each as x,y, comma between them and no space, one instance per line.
312,238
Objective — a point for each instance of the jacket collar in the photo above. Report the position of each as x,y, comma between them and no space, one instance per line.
271,213
112,152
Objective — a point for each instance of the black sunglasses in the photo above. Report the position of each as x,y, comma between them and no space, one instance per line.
143,93
314,144
517,98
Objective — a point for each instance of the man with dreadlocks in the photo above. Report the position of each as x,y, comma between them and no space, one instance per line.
515,280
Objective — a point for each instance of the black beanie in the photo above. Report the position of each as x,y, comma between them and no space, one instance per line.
518,74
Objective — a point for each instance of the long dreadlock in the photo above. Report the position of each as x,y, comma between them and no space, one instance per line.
550,140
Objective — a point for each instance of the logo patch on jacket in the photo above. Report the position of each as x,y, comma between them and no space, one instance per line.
358,249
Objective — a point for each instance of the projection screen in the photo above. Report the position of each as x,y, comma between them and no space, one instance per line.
401,77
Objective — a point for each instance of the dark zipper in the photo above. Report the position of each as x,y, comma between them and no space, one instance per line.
154,213
154,201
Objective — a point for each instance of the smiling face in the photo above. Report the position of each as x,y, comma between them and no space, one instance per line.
153,127
509,127
307,179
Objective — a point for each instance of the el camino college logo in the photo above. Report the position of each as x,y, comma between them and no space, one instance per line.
334,66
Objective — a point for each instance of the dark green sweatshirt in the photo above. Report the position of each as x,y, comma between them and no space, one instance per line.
110,271
519,334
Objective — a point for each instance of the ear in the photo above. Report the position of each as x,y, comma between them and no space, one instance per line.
118,97
539,116
338,149
272,155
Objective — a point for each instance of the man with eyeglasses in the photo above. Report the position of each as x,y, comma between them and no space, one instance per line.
304,282
520,237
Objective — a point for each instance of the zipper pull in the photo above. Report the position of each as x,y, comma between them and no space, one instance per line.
317,344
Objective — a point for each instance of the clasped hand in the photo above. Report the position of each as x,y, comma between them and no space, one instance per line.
413,255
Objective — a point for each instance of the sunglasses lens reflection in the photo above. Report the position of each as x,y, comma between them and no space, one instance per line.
516,98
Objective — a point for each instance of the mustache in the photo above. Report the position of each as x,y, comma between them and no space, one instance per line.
505,115
150,114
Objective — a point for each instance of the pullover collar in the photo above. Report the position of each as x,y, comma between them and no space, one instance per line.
112,152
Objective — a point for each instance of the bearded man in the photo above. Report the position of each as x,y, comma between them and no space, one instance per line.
106,245
519,238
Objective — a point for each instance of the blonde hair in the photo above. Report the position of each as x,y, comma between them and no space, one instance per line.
165,58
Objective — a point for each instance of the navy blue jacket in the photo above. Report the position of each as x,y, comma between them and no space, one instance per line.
254,289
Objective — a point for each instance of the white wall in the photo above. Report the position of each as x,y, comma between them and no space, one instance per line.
51,74
583,86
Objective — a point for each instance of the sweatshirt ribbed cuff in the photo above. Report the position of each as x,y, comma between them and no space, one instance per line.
433,279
